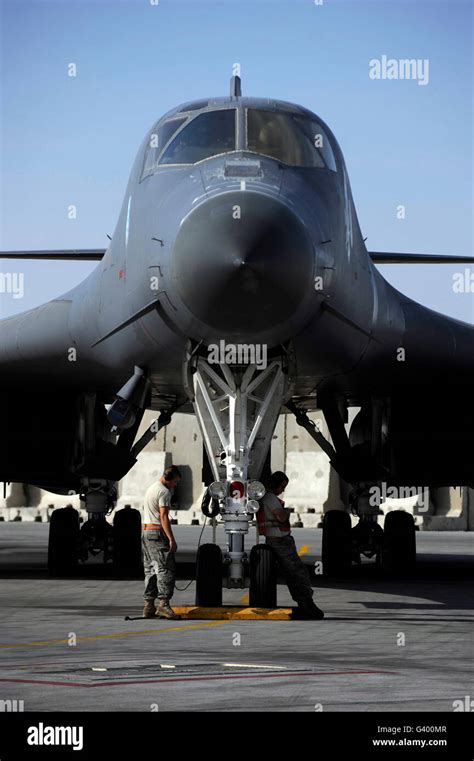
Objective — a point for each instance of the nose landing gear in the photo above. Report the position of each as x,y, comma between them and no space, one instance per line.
237,409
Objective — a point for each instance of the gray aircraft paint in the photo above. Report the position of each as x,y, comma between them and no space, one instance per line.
344,339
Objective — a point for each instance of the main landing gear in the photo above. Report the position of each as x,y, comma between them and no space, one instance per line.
120,542
393,547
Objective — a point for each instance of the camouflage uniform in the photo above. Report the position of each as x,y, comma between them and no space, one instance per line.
159,565
295,571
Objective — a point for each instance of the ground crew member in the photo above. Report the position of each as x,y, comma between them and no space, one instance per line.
159,546
274,523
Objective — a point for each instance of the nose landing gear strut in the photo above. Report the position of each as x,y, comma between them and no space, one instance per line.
237,409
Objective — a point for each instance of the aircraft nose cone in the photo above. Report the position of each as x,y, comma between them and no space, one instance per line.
242,262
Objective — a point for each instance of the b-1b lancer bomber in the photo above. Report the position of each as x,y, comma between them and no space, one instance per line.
236,286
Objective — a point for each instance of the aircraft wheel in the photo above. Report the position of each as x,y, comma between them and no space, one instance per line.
337,543
63,542
399,545
209,576
127,540
263,577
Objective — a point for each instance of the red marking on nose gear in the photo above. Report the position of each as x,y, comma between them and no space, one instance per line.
237,489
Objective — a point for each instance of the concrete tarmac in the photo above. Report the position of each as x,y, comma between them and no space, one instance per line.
384,645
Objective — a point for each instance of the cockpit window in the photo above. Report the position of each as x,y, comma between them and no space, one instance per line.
207,135
290,138
194,105
157,141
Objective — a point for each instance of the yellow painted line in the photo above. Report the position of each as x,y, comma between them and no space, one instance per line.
110,636
233,613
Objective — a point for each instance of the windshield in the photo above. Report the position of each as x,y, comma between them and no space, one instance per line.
207,135
157,141
290,138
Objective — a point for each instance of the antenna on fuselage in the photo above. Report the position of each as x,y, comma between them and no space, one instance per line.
235,87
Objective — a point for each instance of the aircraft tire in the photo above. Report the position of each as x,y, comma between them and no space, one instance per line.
63,542
399,545
127,539
263,577
209,576
337,543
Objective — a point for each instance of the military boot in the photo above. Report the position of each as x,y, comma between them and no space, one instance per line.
149,609
308,610
164,610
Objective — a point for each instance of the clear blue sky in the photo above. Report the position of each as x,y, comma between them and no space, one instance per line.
72,140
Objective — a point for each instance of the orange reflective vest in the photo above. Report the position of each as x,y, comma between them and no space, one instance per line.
268,524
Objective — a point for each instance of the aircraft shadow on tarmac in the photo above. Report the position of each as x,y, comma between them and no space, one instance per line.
442,581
